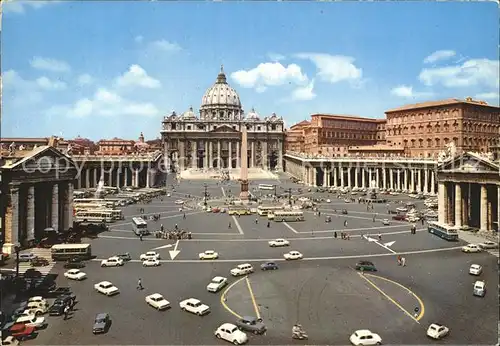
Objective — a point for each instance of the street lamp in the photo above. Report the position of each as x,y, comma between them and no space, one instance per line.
17,249
205,195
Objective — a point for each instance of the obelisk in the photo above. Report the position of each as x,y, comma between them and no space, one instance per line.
244,164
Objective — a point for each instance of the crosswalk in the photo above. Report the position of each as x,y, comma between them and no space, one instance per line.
39,252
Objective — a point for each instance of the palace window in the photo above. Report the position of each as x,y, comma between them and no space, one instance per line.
189,127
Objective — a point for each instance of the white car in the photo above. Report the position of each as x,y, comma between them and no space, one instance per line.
471,248
365,337
488,245
475,269
106,288
194,306
328,201
386,222
217,284
231,333
157,301
35,309
479,288
179,201
151,262
75,274
38,300
279,242
169,195
32,321
149,255
10,341
208,254
242,269
112,262
293,255
437,331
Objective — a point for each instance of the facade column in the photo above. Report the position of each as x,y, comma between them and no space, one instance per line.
377,177
391,178
219,161
325,179
238,157
419,180
55,207
433,183
252,154
80,180
426,181
264,156
442,199
484,208
136,183
458,205
328,176
349,177
406,183
125,179
205,159
68,206
87,178
335,177
412,177
356,177
313,176
230,162
148,177
384,178
182,155
363,178
13,230
341,171
30,224
194,154
110,178
95,177
280,157
118,176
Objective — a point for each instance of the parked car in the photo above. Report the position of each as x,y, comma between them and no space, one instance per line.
75,274
39,262
366,266
21,331
231,333
437,331
74,263
251,324
10,341
32,321
57,309
102,323
269,266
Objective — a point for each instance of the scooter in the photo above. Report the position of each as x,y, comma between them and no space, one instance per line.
300,335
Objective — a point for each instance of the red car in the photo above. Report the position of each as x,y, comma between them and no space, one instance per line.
22,332
399,217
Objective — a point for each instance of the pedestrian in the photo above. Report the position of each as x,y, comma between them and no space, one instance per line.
422,221
345,223
399,260
139,284
66,312
184,216
161,227
348,236
335,234
403,261
319,213
140,236
256,221
373,218
268,224
379,236
229,226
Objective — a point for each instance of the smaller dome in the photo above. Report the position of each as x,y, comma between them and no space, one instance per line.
253,115
189,114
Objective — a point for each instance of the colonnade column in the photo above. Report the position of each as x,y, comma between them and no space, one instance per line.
252,154
194,152
312,173
79,179
14,221
136,183
280,156
55,207
238,153
219,165
230,163
383,179
335,178
399,180
30,219
484,208
68,206
125,179
356,176
264,155
426,181
205,159
87,178
95,177
412,177
442,199
419,180
325,175
458,205
433,183
148,176
391,178
341,172
363,177
349,177
118,176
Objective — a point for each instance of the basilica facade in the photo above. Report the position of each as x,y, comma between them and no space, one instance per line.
212,138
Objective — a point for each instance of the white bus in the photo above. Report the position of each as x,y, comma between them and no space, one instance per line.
140,226
109,204
288,215
99,216
263,210
89,206
62,252
266,187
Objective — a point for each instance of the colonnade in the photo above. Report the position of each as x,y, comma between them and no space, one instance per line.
457,204
117,177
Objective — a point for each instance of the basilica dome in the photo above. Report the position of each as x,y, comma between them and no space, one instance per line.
221,94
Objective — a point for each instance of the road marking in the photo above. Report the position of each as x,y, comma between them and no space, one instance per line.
223,192
173,253
304,259
389,298
161,218
420,302
291,228
223,297
355,217
371,240
252,296
354,229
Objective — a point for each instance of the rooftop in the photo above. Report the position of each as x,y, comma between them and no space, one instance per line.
348,117
447,102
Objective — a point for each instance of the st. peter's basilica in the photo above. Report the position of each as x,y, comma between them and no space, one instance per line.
212,140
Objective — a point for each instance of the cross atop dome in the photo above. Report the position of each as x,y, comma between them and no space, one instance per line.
221,78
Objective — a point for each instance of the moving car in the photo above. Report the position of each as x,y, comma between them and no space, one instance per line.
242,269
293,255
39,262
208,254
21,331
102,323
26,257
124,257
251,324
75,274
366,266
269,266
437,331
112,262
74,263
488,245
365,337
231,333
157,301
386,222
471,248
399,217
57,309
179,201
279,242
151,262
479,289
217,284
149,254
194,306
475,269
106,288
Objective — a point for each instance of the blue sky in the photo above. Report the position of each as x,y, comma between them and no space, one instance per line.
106,69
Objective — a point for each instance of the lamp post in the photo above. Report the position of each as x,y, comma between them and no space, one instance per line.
289,196
205,195
17,248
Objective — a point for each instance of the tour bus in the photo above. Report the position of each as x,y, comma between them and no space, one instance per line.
109,204
263,210
288,215
90,206
445,232
238,210
266,187
96,215
63,252
140,226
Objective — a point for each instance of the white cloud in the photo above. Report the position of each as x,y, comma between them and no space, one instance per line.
104,103
439,55
165,46
494,96
136,76
334,68
269,74
48,84
48,64
472,73
276,57
408,92
139,38
20,7
304,93
85,79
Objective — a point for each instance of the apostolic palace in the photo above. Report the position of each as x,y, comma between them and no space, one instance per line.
447,147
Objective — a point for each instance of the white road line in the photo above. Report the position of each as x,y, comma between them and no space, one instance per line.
355,217
304,259
382,245
353,229
223,192
237,225
291,228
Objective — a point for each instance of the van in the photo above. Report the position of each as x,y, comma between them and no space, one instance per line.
242,269
479,289
32,321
